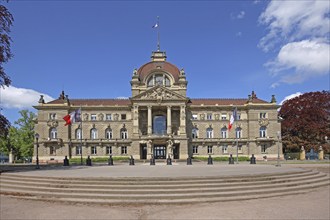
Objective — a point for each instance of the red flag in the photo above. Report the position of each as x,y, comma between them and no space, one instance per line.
73,117
232,119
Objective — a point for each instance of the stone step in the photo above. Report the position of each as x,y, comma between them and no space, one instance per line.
170,184
178,190
156,198
158,180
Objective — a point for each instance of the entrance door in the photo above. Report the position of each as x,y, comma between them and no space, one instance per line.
143,151
159,152
176,152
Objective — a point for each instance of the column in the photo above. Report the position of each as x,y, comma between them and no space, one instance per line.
149,120
182,120
136,119
169,120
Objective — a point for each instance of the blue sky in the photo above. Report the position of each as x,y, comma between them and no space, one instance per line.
89,49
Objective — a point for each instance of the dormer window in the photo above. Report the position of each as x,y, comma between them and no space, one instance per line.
159,80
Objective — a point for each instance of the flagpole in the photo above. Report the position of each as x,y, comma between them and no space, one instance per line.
235,119
158,41
81,130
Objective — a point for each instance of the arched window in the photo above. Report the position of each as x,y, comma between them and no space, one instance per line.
238,132
78,134
224,133
159,125
263,131
93,133
159,79
195,133
123,133
209,132
108,133
53,133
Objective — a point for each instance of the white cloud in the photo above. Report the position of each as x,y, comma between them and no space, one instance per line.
256,2
308,58
290,97
241,15
12,97
239,34
294,20
299,32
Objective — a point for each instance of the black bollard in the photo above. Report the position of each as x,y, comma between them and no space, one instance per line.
209,160
88,161
131,161
110,161
189,161
253,159
231,159
169,160
66,161
152,161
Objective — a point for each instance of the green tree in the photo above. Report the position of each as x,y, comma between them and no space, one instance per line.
6,21
306,121
21,137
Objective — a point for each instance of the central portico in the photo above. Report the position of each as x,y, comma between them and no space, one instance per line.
159,102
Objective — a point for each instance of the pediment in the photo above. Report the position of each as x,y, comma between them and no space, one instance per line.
159,93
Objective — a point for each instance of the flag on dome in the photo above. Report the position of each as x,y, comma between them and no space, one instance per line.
156,25
233,118
73,117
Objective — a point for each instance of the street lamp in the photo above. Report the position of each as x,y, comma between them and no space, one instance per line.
37,155
278,149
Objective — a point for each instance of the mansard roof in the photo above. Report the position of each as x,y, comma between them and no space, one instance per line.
147,68
206,101
93,102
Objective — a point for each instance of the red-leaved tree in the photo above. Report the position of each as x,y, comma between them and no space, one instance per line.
306,121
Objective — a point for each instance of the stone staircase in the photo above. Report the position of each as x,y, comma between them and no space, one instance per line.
160,190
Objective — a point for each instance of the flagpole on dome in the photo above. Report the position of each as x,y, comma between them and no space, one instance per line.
158,35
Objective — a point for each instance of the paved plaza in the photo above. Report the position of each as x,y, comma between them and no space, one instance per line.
311,205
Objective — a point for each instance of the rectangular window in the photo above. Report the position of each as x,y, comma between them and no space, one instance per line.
223,116
262,115
263,148
52,150
238,116
109,150
123,150
108,117
223,133
78,150
195,149
52,116
194,117
238,133
225,149
123,116
240,147
209,116
210,149
93,117
93,150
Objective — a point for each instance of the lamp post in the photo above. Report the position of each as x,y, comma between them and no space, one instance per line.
278,149
37,154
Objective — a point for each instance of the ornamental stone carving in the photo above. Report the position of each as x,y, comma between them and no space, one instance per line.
85,117
158,94
264,122
101,117
217,116
116,116
52,123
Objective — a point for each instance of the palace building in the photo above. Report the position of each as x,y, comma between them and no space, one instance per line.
158,120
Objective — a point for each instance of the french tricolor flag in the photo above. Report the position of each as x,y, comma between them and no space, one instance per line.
73,117
233,118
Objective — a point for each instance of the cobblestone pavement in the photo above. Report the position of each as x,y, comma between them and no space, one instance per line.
311,205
